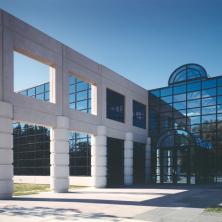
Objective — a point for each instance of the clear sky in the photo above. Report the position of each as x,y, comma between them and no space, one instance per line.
143,40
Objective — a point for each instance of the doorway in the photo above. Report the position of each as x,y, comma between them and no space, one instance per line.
173,158
138,163
115,162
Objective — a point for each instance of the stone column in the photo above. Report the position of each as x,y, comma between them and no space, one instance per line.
6,153
148,160
59,157
99,157
128,159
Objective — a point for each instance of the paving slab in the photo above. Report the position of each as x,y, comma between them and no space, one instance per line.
161,204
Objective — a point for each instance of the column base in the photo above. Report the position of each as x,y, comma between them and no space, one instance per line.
6,189
99,182
128,180
59,185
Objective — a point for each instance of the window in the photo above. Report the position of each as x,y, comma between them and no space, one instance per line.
193,95
115,103
31,149
139,115
31,77
40,92
166,91
80,154
209,92
209,84
179,89
194,86
79,95
179,97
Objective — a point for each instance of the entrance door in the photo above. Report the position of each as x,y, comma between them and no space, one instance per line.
139,163
173,157
115,162
173,165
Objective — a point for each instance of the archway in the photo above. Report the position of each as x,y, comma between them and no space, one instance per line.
173,157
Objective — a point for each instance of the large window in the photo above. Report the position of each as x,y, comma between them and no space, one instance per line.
31,150
115,105
80,154
79,95
139,115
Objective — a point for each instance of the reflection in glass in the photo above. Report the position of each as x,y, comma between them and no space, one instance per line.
209,101
208,118
166,91
209,92
193,103
194,86
139,114
193,112
179,97
193,95
210,83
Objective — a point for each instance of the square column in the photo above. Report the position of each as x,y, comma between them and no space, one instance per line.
148,160
6,153
128,159
59,157
99,157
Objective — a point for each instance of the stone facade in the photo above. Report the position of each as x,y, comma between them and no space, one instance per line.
15,35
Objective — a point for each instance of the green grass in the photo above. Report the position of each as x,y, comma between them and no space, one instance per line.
71,187
216,209
26,188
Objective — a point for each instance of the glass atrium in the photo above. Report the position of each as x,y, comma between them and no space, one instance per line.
185,126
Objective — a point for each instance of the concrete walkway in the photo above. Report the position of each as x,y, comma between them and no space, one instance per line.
156,204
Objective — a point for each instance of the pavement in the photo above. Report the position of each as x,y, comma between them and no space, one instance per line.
151,204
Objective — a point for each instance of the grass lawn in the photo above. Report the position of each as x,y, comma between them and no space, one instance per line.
28,188
216,209
74,187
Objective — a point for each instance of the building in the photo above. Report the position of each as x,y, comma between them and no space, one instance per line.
90,126
87,125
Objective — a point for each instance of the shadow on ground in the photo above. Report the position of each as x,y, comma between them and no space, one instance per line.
194,197
56,213
187,197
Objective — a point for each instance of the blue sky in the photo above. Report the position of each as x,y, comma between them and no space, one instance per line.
143,40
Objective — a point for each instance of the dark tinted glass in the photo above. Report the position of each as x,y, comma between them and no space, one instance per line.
80,154
194,86
139,114
31,150
196,111
155,92
209,84
179,89
115,105
166,91
209,92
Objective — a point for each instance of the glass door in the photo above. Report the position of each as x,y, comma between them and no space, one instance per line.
167,165
172,165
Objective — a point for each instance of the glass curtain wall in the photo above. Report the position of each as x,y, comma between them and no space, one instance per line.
192,102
